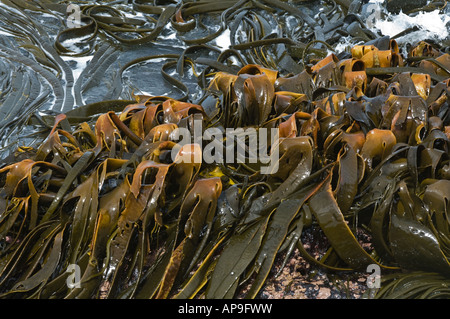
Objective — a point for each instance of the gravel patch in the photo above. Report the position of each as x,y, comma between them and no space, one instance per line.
301,280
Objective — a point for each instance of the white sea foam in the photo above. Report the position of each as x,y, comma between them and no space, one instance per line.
431,25
223,40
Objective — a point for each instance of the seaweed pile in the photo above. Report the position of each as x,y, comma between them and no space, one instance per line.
167,47
363,149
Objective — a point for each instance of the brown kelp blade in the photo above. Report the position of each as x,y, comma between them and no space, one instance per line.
362,147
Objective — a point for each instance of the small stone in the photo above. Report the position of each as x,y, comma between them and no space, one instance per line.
324,293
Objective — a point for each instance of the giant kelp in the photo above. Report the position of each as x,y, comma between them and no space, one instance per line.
363,147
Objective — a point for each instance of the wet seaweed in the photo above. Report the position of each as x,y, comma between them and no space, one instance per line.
363,143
